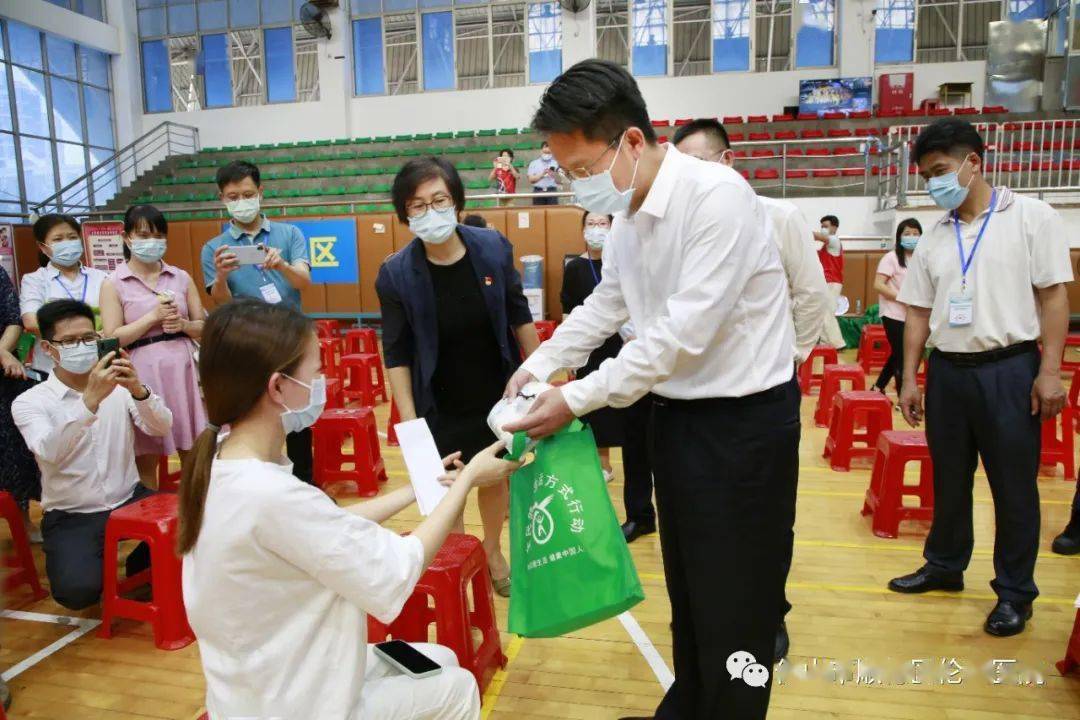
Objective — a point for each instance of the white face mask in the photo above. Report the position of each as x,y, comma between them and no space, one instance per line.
244,210
596,236
297,420
434,227
78,360
598,194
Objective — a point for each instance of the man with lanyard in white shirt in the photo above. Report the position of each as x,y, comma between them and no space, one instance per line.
689,261
79,425
985,283
706,139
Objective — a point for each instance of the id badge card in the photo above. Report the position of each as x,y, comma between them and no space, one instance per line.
961,309
270,293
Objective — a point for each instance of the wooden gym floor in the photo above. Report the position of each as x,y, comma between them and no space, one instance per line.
842,612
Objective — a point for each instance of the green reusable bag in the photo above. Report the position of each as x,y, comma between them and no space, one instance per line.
570,565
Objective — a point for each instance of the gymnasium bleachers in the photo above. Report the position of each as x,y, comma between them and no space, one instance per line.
778,154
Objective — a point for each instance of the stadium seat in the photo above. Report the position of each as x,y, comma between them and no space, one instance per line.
839,133
739,154
860,115
797,174
683,121
763,153
661,123
825,173
760,136
817,152
890,113
853,172
812,134
845,150
785,135
794,152
782,118
733,120
807,116
994,109
1022,146
758,118
766,174
736,137
834,115
939,112
965,111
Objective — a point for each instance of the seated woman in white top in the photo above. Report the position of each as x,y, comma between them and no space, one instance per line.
278,580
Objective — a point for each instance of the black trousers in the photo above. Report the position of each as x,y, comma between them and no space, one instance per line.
789,547
985,411
545,200
298,448
74,545
637,465
894,366
725,474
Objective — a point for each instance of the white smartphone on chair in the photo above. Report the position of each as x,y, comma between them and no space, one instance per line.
407,659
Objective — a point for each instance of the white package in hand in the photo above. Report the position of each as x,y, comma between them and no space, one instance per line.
509,410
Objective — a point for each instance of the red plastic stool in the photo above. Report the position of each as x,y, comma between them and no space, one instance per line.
808,379
885,496
1074,388
545,329
361,341
327,328
364,373
1072,650
151,520
395,418
874,349
20,565
328,439
330,352
1057,446
167,481
461,563
875,413
335,394
833,376
1067,365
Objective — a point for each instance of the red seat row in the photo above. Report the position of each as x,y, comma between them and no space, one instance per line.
857,115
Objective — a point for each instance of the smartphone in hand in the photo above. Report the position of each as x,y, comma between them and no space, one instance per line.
106,346
249,254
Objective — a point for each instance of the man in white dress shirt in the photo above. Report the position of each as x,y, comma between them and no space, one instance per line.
79,425
986,282
690,262
706,139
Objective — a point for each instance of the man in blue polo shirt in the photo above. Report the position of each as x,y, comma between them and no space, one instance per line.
279,279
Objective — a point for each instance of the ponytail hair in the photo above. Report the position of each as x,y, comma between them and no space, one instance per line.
244,342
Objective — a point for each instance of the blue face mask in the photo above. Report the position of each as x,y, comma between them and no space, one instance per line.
435,226
598,194
149,251
67,253
946,191
909,242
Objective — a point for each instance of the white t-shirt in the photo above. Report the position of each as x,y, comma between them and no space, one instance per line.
45,284
1025,247
277,589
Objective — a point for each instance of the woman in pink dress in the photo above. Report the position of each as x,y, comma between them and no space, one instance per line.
155,311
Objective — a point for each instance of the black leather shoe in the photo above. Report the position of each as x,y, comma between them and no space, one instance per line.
632,530
1068,542
1007,618
783,643
924,580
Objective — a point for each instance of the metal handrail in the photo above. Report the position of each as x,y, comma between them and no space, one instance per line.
187,141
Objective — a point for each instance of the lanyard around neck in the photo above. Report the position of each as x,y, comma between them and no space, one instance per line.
965,264
86,283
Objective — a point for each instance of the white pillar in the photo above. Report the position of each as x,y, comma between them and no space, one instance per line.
126,80
579,35
335,74
855,28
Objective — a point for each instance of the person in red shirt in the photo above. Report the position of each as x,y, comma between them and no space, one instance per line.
504,175
831,255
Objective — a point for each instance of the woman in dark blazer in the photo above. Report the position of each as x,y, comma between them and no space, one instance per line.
455,324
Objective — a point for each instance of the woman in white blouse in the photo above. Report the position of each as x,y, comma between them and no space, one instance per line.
278,580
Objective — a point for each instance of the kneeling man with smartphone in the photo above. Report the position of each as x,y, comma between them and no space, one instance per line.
80,426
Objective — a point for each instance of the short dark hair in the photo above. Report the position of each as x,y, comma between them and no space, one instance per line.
418,171
475,221
508,151
45,223
585,216
951,136
236,171
597,97
52,312
831,219
544,144
904,225
148,215
708,126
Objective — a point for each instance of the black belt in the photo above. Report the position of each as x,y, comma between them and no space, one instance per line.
164,337
989,356
765,396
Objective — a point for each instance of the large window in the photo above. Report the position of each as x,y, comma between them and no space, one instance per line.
894,34
222,53
90,8
400,47
951,30
815,43
634,34
56,119
690,37
772,35
731,35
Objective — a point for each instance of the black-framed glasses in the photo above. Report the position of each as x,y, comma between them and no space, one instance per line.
419,208
71,343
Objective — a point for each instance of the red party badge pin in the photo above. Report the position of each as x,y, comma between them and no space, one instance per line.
488,280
